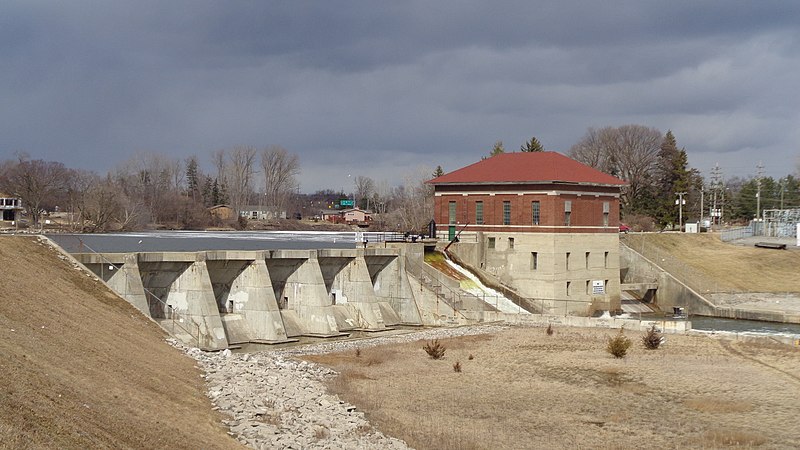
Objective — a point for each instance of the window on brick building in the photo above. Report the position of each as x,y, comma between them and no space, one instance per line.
605,260
606,209
567,261
588,286
452,212
510,243
534,260
569,284
479,213
491,242
506,213
567,212
535,208
587,260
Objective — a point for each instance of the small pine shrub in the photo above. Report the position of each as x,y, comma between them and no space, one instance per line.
434,349
652,338
619,344
471,357
457,366
549,329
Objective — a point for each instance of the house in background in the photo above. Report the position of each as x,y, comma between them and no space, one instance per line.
222,212
352,216
539,222
256,212
11,207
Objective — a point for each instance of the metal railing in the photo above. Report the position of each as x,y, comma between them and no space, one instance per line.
154,302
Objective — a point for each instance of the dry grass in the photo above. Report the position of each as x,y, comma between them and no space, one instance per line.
731,267
81,368
530,390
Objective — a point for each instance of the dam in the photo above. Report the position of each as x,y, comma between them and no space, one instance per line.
218,298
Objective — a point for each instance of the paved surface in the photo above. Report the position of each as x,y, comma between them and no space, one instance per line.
791,243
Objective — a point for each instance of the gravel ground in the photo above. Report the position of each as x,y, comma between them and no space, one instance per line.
276,401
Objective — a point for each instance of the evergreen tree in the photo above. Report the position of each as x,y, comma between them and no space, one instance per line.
192,178
208,191
532,146
438,172
672,176
497,148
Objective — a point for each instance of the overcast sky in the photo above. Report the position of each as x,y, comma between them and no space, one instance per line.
383,89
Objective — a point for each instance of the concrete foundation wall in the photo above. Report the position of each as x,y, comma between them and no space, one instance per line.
536,266
671,292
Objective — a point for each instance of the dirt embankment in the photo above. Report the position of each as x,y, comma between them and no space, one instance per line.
81,368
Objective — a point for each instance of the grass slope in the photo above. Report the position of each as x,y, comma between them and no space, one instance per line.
730,267
81,368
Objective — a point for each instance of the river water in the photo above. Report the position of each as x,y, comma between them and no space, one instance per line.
715,324
193,241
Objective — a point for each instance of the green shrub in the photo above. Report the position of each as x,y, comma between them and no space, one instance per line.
652,338
619,344
434,349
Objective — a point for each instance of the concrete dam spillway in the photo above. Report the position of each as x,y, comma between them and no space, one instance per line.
215,299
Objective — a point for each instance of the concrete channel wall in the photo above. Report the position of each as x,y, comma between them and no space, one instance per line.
216,299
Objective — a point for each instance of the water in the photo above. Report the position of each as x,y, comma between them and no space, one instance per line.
701,323
192,241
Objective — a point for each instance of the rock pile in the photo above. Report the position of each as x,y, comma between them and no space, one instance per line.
275,401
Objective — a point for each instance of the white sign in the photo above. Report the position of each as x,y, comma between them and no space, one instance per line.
598,287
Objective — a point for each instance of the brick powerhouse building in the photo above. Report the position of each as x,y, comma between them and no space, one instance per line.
541,223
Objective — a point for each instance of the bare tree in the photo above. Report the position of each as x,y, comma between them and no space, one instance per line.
629,152
280,169
412,203
240,175
365,186
150,179
38,183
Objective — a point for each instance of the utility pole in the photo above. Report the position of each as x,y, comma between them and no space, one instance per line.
679,201
716,182
759,175
702,191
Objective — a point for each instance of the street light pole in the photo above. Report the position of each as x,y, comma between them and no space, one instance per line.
680,209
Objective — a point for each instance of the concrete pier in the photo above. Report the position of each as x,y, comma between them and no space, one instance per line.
217,298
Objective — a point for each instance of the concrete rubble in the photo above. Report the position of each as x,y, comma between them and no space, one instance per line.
273,400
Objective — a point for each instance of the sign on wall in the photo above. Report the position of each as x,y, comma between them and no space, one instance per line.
598,287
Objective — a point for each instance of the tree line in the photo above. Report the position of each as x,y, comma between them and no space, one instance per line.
153,190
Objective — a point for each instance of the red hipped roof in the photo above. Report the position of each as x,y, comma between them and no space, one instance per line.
521,167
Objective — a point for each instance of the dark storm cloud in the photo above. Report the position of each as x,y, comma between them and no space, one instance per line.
380,89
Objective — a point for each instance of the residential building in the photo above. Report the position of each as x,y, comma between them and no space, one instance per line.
539,222
11,207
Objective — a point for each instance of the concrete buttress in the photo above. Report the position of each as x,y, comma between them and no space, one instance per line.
192,296
354,286
306,295
252,296
127,282
391,286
